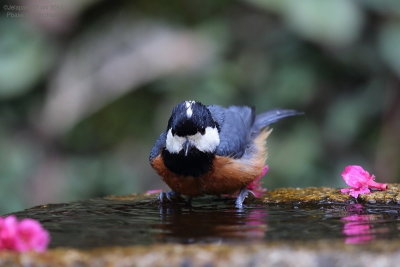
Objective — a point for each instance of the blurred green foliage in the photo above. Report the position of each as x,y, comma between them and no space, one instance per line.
337,60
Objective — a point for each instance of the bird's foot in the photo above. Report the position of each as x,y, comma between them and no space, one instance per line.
170,196
175,197
243,194
189,201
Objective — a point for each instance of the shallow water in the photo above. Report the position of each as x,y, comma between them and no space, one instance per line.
101,222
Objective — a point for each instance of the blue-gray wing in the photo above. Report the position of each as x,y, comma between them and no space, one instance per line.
158,146
266,118
235,129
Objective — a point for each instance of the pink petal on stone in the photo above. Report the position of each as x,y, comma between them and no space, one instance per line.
359,181
8,232
24,235
355,176
373,184
32,236
154,191
354,192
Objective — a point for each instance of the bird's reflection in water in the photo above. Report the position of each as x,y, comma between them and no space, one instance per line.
212,224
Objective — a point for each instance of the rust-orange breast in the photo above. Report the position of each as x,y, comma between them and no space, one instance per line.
227,175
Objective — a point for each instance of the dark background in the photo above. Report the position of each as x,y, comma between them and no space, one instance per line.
87,86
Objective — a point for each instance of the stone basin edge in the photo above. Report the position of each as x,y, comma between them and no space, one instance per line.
321,253
310,253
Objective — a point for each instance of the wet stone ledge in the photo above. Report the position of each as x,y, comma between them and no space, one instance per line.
253,251
326,195
309,195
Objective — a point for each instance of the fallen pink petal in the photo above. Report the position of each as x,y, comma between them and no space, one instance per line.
23,235
355,192
154,191
360,181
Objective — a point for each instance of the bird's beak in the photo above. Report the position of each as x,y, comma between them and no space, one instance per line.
186,147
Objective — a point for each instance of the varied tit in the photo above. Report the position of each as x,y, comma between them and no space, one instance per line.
213,150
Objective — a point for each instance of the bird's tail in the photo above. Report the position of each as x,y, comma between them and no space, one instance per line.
264,119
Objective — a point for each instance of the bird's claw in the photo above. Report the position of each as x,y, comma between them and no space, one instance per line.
170,196
243,194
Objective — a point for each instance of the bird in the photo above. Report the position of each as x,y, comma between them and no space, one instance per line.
213,150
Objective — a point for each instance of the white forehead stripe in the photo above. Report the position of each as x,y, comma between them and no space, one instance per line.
189,110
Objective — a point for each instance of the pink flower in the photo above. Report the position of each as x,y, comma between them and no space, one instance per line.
24,235
359,180
154,191
256,185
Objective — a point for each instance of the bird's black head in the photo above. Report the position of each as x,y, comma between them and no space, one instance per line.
189,118
192,138
192,126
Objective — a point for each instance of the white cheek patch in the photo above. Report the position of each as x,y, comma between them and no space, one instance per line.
207,142
174,143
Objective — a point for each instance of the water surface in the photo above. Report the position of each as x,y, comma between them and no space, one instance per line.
102,222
